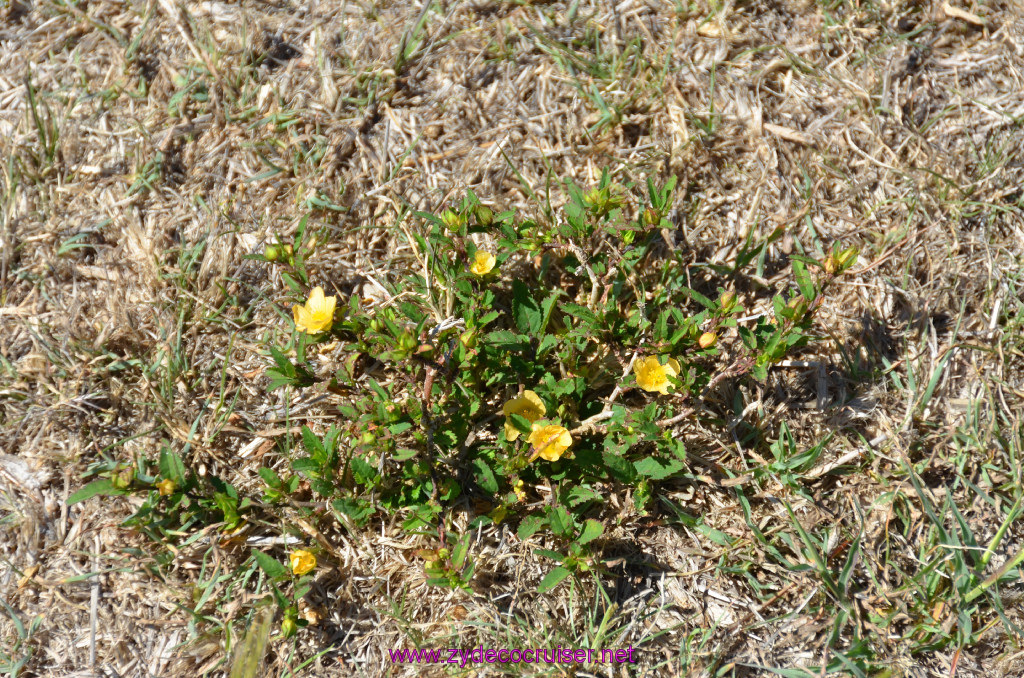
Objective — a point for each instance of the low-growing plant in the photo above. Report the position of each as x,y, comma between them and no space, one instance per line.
520,370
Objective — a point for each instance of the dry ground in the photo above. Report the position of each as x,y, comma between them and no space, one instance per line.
145,147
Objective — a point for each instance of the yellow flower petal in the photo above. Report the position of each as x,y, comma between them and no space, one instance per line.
652,376
550,442
302,562
483,263
529,406
318,313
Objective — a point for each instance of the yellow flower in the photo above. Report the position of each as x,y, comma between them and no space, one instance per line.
483,262
653,376
302,562
550,442
166,487
518,489
529,405
318,313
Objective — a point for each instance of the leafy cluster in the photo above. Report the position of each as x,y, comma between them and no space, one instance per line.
519,369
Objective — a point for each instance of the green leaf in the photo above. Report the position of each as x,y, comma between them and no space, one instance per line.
547,307
749,340
581,313
270,477
521,423
530,525
699,298
581,494
779,306
525,311
561,521
358,510
171,466
271,566
553,579
485,476
619,467
313,446
104,486
652,468
363,472
592,529
803,280
306,466
228,506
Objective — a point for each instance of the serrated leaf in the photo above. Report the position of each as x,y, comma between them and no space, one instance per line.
356,509
529,526
553,579
171,466
560,521
779,306
363,472
403,454
314,448
521,423
228,505
656,470
580,494
592,529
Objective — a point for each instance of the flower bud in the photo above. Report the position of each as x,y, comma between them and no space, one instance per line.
847,257
727,301
288,627
707,340
166,487
451,220
831,264
652,217
484,215
593,198
122,479
271,252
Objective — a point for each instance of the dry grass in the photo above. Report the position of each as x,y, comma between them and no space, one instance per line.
169,140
